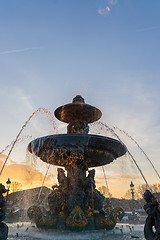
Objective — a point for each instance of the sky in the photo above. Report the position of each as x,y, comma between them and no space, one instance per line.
106,50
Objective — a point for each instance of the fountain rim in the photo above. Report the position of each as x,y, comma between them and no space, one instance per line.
77,135
96,145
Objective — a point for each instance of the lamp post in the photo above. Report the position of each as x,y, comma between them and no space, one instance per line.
132,190
132,193
8,187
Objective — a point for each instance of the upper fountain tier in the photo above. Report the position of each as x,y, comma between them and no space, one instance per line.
78,114
78,110
77,148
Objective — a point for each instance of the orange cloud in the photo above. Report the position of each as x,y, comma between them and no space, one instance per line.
28,176
4,156
119,177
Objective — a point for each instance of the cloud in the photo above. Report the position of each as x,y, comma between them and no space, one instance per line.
112,2
24,99
147,29
118,177
108,9
16,50
26,175
104,11
4,156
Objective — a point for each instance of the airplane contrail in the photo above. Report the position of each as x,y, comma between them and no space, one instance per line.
16,50
147,29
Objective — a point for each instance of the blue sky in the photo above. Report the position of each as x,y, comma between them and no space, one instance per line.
106,50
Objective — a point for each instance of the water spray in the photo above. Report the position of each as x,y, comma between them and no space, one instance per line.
107,186
113,132
19,140
39,194
139,148
43,110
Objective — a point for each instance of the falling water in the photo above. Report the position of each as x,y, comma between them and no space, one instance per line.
8,146
39,194
39,110
18,140
107,186
116,128
114,134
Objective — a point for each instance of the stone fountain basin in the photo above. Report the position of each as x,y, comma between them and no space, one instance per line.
71,150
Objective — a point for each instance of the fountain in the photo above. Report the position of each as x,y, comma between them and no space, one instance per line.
75,204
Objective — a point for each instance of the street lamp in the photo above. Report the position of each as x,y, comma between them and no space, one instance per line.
8,185
132,190
132,193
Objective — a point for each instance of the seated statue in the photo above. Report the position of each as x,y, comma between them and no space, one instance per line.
95,198
2,202
62,179
153,219
90,180
3,226
57,198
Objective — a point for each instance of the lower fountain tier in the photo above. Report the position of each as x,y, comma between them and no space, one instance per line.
82,150
77,220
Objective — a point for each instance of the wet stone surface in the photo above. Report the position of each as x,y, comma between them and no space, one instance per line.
28,231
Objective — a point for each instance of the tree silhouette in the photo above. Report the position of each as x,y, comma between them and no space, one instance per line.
104,191
15,187
140,189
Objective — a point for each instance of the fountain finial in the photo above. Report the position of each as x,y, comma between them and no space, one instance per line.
78,99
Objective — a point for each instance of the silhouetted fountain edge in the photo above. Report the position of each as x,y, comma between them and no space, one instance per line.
101,150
